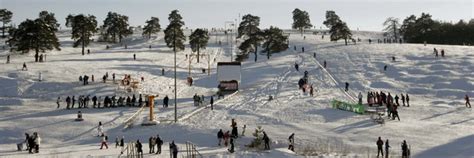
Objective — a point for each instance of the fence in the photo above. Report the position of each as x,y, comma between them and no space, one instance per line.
191,151
130,150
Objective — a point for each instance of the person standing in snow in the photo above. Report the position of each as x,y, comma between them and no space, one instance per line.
435,52
165,101
103,141
360,98
226,138
24,67
395,113
122,144
403,99
235,133
302,49
385,68
220,136
291,141
68,101
297,67
8,59
387,146
468,104
31,143
151,145
212,102
58,101
174,149
231,149
100,129
405,152
134,57
379,147
396,100
139,147
37,141
408,100
117,142
243,130
311,91
266,140
347,87
158,142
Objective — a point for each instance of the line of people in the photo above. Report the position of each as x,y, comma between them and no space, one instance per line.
108,101
380,148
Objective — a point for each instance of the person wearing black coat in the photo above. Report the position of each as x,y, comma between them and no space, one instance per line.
174,149
31,144
408,100
347,87
379,147
138,145
291,141
94,100
387,146
231,149
212,103
405,152
220,136
159,142
266,139
165,101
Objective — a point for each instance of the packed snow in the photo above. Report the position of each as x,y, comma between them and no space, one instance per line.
436,124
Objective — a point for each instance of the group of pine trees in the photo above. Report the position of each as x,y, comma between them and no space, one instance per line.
424,28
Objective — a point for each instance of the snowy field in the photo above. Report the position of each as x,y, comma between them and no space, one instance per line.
435,125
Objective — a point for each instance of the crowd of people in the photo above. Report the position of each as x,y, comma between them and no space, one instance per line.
391,102
86,101
32,143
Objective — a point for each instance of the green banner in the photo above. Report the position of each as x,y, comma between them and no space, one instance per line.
357,108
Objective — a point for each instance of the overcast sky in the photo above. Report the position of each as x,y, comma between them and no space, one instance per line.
362,14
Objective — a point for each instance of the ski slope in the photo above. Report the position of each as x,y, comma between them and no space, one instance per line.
435,125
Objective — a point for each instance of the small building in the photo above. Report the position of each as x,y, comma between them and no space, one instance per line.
228,76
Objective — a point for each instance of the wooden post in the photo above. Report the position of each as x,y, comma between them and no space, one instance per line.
151,101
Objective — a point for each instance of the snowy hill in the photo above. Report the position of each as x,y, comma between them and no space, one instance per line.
435,125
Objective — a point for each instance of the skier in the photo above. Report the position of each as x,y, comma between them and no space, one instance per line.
212,103
291,141
347,87
266,140
220,136
103,141
379,147
360,98
403,99
24,67
58,101
297,66
408,100
231,149
467,101
387,146
100,129
138,145
405,149
158,142
165,101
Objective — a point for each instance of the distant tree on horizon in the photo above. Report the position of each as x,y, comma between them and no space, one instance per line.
274,41
392,27
337,28
83,28
198,40
301,20
5,18
152,26
38,35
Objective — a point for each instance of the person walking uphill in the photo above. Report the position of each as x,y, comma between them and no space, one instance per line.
291,141
379,147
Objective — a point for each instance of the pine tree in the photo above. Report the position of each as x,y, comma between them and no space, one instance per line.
331,19
83,28
37,35
392,27
152,26
248,30
275,41
49,19
340,31
301,20
174,36
115,26
5,18
198,40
